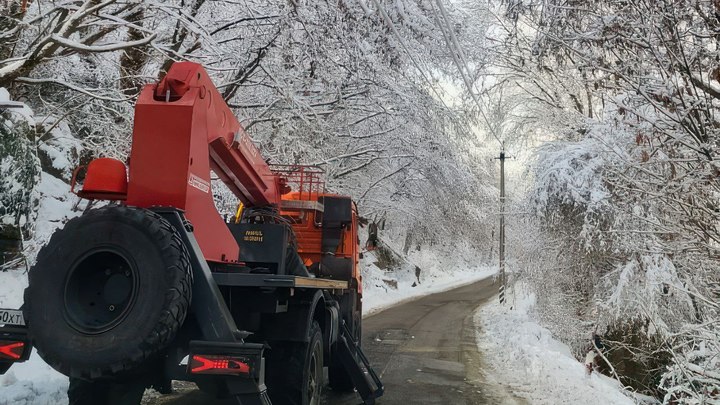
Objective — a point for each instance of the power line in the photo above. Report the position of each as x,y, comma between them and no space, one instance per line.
451,40
464,69
391,25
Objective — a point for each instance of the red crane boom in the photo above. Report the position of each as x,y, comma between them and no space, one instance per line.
183,130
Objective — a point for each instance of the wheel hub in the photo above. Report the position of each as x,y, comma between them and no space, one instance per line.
99,291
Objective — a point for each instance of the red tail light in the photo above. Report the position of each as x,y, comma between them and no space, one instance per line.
213,364
11,350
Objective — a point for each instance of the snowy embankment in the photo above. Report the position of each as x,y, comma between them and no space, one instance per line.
523,356
385,288
393,275
34,382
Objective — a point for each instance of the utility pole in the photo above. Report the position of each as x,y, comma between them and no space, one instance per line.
502,225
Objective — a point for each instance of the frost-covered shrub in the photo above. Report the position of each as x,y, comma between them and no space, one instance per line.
637,354
641,80
571,200
19,173
59,151
694,377
611,273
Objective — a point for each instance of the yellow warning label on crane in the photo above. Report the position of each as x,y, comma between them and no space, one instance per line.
253,236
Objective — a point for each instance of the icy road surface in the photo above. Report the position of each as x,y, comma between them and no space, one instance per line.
424,350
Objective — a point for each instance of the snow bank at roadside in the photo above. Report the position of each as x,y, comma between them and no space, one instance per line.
34,382
385,288
525,357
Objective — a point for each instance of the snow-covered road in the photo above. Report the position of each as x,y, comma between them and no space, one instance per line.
425,351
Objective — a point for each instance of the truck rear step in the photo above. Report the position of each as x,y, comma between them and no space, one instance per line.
363,376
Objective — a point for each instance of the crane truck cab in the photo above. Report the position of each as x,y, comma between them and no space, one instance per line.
155,286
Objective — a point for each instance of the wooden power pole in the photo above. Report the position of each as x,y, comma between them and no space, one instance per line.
503,278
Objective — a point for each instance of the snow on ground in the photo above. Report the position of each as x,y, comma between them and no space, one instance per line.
385,288
34,382
392,276
524,356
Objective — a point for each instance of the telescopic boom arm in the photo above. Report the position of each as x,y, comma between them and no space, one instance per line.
183,130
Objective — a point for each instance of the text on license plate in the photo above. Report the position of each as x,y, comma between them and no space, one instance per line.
11,317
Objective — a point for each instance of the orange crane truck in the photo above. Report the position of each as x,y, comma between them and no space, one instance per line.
156,286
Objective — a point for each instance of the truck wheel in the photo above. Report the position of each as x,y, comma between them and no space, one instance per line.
108,292
351,309
295,371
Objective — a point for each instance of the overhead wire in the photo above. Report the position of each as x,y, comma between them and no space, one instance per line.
391,25
454,46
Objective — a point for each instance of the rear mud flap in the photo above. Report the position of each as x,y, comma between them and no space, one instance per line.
363,376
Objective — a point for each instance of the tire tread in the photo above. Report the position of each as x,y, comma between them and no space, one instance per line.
177,296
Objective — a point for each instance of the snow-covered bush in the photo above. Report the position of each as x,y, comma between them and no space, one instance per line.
19,173
694,377
628,189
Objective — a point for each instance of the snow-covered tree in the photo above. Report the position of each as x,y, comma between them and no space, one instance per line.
19,174
356,87
629,186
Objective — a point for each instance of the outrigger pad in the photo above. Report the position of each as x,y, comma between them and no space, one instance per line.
363,376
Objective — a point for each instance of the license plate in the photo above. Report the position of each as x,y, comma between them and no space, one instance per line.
11,317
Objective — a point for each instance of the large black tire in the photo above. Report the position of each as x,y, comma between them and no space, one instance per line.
108,292
351,312
295,371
